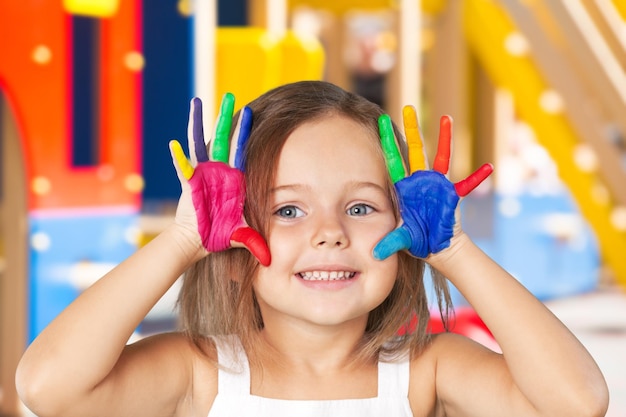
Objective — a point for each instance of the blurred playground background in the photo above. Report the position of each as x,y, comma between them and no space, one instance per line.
91,91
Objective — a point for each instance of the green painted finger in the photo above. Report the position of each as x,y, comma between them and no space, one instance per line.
395,166
219,149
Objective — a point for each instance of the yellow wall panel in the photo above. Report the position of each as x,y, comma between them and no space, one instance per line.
251,61
248,63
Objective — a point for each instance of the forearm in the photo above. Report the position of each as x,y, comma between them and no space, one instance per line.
82,345
544,358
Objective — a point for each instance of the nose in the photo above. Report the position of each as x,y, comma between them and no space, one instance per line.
330,233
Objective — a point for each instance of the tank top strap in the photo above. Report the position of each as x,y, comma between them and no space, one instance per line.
393,378
234,371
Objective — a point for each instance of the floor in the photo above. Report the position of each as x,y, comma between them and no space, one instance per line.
598,320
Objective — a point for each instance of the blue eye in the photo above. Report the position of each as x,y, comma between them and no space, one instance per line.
360,210
289,212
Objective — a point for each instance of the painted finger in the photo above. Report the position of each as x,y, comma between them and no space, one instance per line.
242,133
442,159
182,165
195,133
398,240
417,156
395,166
219,144
254,242
464,187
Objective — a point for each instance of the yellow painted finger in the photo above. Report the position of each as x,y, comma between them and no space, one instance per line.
417,156
181,159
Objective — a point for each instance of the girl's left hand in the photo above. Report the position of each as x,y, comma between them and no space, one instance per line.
428,200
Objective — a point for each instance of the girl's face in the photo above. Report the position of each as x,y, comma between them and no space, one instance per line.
330,208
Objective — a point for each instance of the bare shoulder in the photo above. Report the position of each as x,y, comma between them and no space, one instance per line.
455,349
453,370
187,367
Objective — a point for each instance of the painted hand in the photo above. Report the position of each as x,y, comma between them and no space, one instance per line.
217,189
428,200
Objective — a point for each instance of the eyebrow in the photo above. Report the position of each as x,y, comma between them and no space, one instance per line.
288,187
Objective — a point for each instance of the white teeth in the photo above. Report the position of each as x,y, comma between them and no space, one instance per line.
326,275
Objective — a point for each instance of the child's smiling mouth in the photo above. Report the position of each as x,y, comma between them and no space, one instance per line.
326,275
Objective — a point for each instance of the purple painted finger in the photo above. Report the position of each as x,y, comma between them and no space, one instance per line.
197,131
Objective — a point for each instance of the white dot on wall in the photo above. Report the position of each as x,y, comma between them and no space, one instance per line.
184,7
134,61
551,102
510,207
40,241
516,44
134,183
618,218
41,54
585,158
382,61
41,185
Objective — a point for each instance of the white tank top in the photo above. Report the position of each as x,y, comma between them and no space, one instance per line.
234,399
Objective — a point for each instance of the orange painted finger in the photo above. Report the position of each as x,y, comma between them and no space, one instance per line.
417,157
442,159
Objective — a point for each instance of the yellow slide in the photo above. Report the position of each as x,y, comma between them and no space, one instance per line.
620,6
487,27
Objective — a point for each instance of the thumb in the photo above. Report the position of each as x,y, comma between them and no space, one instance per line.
395,241
251,239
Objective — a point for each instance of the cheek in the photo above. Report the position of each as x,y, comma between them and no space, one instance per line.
280,240
284,249
375,232
386,274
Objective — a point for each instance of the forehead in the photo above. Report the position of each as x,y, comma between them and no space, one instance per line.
333,144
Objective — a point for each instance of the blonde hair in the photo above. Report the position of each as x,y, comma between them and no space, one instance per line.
217,296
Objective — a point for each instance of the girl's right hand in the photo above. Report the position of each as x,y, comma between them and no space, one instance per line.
213,193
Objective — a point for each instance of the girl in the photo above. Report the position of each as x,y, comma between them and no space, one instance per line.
311,330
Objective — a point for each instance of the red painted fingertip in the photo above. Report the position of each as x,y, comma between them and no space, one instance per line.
441,163
467,185
255,243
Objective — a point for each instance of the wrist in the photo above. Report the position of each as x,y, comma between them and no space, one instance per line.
187,241
451,256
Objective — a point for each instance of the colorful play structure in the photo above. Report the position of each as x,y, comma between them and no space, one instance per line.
71,129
